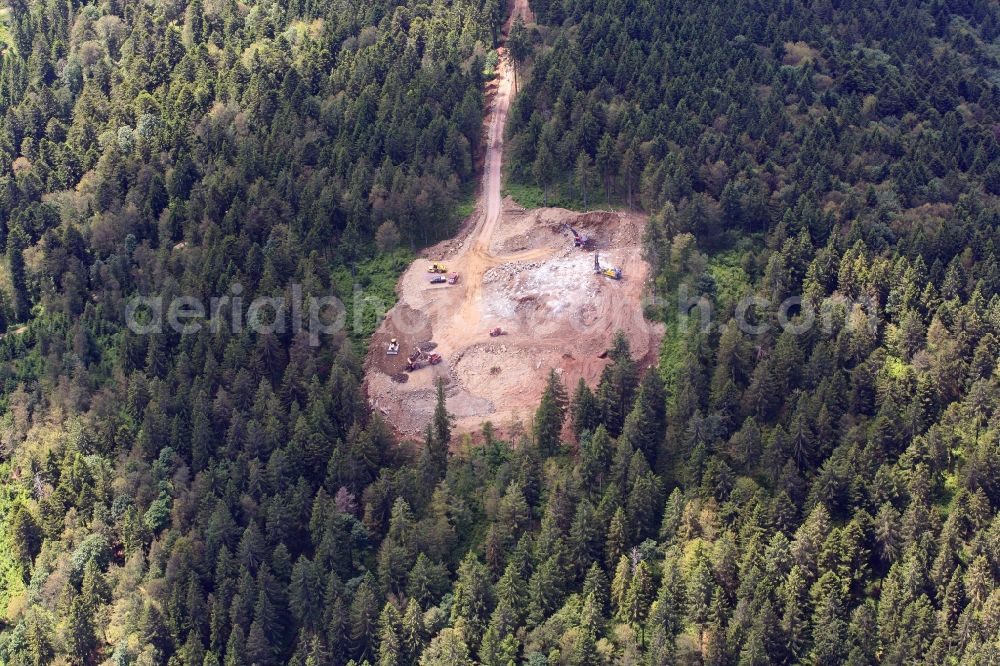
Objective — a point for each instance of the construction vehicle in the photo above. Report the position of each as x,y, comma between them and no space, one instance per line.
612,272
437,268
419,358
453,278
393,348
497,332
579,240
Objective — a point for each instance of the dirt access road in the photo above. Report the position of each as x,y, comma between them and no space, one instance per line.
519,271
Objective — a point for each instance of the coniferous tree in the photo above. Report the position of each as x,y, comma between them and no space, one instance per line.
584,410
412,631
828,632
583,176
617,539
81,637
449,648
543,170
364,616
595,588
306,595
550,416
645,425
472,597
638,598
546,590
585,539
236,647
518,45
16,241
616,391
439,432
794,620
595,460
26,535
390,649
620,584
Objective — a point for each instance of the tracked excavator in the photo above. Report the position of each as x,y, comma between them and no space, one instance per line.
579,240
612,272
419,358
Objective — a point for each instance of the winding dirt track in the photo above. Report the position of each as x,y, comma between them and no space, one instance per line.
519,271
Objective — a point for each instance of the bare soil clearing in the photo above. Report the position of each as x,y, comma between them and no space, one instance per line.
518,271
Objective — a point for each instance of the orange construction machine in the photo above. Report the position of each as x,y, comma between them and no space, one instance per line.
419,358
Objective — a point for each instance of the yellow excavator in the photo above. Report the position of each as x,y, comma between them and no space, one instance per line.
437,268
612,272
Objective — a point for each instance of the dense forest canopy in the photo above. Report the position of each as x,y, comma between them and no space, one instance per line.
227,498
238,129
